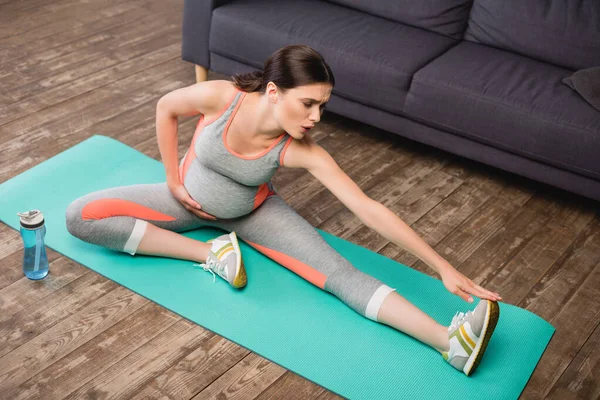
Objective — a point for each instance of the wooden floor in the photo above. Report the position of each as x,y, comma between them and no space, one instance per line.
70,69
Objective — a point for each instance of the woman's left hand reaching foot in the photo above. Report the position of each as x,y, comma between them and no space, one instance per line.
462,286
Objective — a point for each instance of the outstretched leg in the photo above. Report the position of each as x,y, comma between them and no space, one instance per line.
277,231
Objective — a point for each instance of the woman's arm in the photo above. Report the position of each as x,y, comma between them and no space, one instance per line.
307,154
200,98
382,220
376,216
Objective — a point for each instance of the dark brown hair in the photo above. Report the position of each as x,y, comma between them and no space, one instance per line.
289,67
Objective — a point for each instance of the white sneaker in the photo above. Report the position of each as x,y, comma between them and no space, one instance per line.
469,335
225,258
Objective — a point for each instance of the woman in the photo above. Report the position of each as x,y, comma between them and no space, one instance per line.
249,128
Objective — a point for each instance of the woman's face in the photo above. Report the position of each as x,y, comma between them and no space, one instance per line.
300,107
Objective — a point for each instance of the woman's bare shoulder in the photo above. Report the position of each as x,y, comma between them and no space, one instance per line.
222,91
205,98
302,153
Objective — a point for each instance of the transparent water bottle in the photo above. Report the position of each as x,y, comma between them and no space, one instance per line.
33,230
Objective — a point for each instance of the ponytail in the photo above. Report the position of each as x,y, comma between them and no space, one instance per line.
249,82
289,67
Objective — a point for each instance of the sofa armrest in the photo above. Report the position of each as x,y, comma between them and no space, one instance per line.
197,15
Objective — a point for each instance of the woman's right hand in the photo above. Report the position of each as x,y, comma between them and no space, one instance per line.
181,194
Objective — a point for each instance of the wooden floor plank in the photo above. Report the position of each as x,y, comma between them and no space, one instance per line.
95,80
193,373
68,12
12,6
467,218
44,349
86,56
104,16
368,160
559,284
10,239
25,292
580,379
442,219
35,319
105,350
89,110
22,8
11,266
18,20
293,387
58,114
146,361
344,223
574,325
247,379
315,194
411,207
460,243
489,259
30,19
527,267
455,208
55,108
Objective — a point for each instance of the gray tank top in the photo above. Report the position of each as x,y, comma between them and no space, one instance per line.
225,183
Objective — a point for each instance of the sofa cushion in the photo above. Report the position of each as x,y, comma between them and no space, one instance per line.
563,32
373,59
448,17
510,102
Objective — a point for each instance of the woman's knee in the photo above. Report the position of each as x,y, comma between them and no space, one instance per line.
74,220
359,290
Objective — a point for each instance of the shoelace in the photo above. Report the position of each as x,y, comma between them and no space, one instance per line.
458,318
210,265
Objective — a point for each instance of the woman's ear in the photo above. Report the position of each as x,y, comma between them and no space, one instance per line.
272,92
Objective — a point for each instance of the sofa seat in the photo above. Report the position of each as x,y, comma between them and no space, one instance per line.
373,58
511,102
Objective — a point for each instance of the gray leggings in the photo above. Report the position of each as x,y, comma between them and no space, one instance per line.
116,218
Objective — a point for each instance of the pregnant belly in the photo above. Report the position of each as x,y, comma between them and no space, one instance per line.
219,195
223,204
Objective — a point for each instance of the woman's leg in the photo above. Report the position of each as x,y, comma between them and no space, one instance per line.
277,231
165,243
401,314
141,219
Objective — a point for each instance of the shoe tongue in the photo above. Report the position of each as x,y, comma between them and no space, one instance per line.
214,258
456,320
221,240
216,245
223,262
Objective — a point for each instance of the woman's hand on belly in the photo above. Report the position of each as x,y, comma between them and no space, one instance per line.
182,195
225,200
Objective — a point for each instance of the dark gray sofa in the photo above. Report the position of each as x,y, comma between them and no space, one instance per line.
481,79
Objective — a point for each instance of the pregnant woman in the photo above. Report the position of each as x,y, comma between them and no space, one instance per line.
247,129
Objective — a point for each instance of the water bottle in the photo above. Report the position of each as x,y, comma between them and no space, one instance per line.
35,260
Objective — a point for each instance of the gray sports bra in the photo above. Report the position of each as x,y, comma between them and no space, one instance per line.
225,183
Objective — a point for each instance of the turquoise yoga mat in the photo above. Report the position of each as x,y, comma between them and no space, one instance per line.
278,315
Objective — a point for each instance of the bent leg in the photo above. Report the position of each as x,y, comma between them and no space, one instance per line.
117,218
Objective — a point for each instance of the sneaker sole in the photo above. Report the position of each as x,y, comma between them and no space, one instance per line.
491,321
240,279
